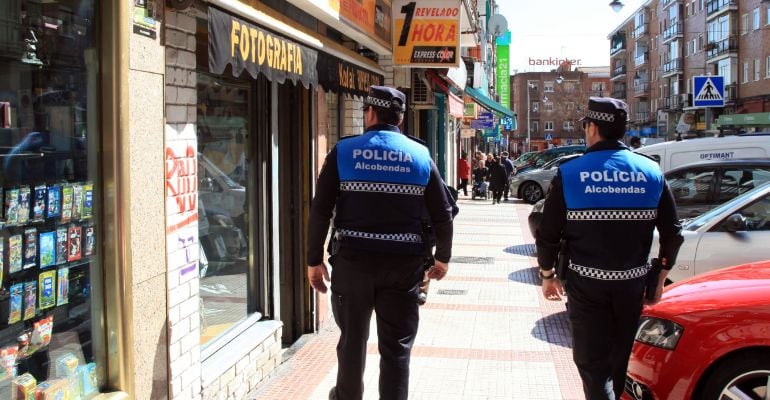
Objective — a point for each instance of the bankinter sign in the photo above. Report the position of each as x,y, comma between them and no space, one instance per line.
427,33
245,46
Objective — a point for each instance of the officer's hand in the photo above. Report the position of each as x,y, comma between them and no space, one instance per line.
317,274
438,270
658,294
553,289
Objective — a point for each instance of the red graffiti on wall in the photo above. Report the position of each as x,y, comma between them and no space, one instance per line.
181,180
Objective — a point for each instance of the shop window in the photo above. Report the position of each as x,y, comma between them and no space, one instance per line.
50,230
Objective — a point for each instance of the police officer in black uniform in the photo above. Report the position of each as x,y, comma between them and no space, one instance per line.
605,206
378,185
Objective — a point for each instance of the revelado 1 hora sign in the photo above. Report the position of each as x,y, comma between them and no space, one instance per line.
426,34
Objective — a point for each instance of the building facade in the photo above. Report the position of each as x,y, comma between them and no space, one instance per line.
551,103
688,39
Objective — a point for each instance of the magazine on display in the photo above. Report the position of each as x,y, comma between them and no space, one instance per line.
88,200
77,201
61,245
30,300
74,243
54,201
47,286
41,197
62,286
2,259
12,206
15,243
47,249
15,303
25,197
66,203
90,244
30,248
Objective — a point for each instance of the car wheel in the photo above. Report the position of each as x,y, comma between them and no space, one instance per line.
531,192
744,377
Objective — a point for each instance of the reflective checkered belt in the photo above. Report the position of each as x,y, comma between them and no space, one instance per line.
606,275
393,237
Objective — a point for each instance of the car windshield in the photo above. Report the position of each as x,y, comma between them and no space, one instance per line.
697,223
525,157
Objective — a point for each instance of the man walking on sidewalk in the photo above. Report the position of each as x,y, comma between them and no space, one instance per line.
605,206
378,185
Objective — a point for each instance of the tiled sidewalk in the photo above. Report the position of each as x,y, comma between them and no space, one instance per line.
486,332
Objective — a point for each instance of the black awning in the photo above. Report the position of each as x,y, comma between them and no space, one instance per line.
340,76
244,45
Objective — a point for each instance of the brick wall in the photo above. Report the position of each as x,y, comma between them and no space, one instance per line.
182,208
353,115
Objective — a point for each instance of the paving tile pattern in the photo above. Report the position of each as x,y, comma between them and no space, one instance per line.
485,333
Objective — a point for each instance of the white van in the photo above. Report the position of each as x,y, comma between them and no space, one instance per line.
673,154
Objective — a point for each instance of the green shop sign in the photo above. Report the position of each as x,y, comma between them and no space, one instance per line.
754,119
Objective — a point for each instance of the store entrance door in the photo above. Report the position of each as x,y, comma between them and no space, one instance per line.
294,171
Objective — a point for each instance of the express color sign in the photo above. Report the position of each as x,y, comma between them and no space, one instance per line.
426,33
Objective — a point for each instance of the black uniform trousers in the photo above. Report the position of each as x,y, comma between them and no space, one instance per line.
388,284
604,315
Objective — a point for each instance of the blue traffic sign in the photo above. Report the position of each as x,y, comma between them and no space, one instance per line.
548,136
709,91
485,120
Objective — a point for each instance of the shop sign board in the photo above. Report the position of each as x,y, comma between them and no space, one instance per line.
372,17
340,76
455,106
470,110
485,120
467,133
426,33
245,46
504,75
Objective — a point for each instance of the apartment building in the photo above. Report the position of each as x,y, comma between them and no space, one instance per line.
551,103
685,39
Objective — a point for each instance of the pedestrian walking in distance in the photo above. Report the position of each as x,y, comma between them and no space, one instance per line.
601,211
379,185
463,172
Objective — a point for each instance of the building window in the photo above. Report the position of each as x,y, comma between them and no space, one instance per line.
756,18
700,42
597,86
767,67
569,126
534,126
535,106
50,178
767,16
548,86
694,46
744,24
745,72
547,106
757,68
700,6
548,125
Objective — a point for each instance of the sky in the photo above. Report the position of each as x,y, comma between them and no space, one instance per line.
574,29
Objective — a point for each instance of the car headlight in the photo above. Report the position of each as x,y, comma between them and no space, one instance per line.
659,332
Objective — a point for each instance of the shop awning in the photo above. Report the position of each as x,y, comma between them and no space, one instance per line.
489,104
752,119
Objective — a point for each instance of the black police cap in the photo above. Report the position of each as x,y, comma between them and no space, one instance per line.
606,110
386,97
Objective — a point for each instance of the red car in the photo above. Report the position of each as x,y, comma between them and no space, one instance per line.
708,338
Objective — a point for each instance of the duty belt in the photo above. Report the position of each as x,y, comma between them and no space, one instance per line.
394,237
607,275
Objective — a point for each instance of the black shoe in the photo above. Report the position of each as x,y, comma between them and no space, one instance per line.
333,393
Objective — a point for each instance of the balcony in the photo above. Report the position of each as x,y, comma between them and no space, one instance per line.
674,31
722,47
716,7
597,93
643,116
619,72
642,89
642,59
673,102
619,93
641,31
731,93
673,67
667,3
618,46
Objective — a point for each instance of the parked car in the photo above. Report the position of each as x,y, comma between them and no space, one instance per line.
673,154
733,233
532,185
701,186
545,156
708,338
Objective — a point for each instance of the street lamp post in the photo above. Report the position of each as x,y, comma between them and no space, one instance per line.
529,124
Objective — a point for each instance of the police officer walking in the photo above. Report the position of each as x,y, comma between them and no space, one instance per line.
378,185
605,205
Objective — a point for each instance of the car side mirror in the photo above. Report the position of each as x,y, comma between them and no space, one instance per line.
735,223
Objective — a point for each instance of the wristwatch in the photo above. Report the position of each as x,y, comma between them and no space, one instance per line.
553,274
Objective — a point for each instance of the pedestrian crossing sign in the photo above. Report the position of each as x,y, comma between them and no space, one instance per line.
709,91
